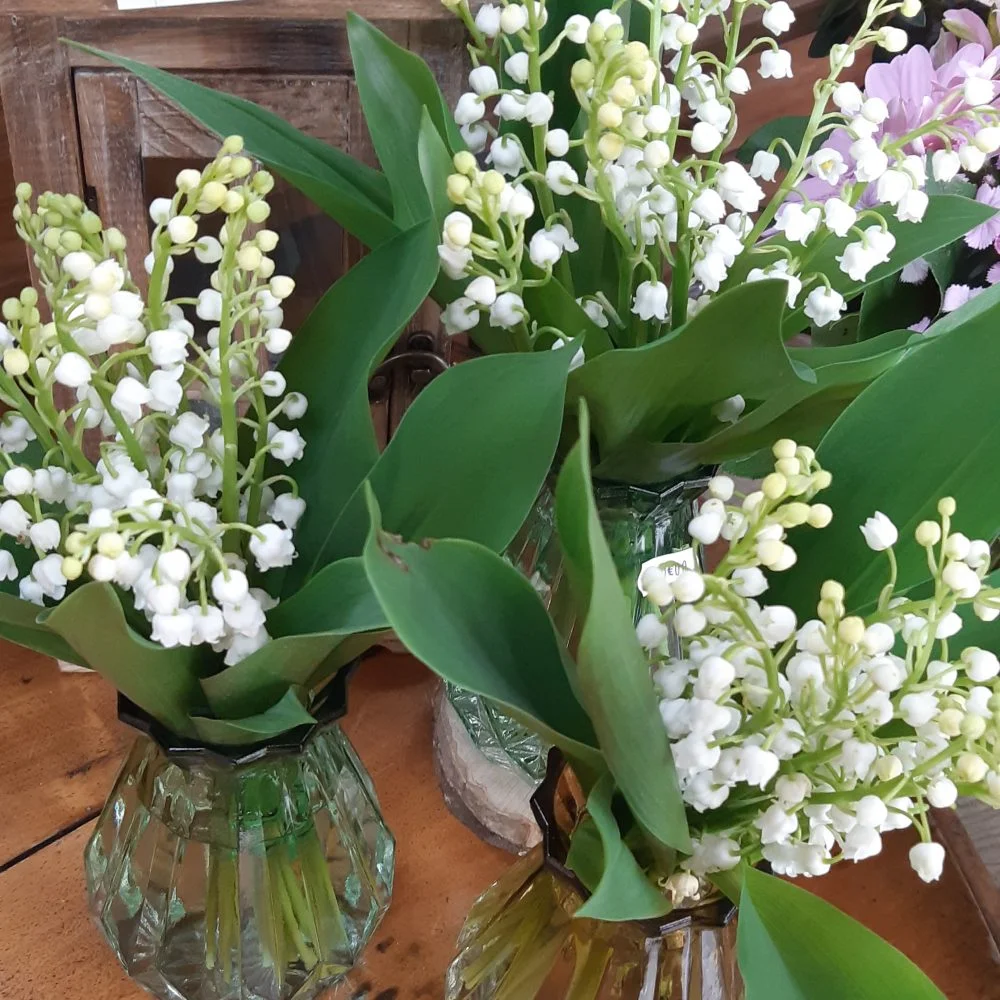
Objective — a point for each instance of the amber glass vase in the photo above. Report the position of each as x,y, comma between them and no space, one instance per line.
521,940
640,524
255,873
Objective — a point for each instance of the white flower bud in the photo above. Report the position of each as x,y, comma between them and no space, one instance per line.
880,533
557,142
651,632
971,768
18,481
78,265
513,19
483,79
778,18
688,621
231,587
182,229
977,91
893,39
688,587
942,793
561,177
577,27
927,860
45,535
174,566
457,229
705,138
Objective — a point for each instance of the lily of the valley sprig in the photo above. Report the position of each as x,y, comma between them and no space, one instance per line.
802,743
166,509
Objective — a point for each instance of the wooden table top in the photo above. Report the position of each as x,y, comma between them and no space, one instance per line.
60,745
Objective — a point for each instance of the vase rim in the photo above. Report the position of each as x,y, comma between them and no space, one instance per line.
330,706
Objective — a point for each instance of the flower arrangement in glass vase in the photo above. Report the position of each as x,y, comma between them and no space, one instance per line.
832,679
187,520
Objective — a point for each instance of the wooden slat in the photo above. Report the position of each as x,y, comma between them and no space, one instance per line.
13,266
36,92
254,10
972,838
60,746
194,42
108,111
317,106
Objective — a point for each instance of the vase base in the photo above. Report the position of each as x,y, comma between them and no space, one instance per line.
491,800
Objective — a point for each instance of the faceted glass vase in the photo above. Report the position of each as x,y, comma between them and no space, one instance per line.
640,523
254,878
521,942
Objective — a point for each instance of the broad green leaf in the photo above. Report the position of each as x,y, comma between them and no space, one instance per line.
338,599
729,883
945,262
19,624
163,682
358,197
330,360
623,892
890,304
435,165
285,714
643,393
803,411
948,218
612,674
792,945
468,458
333,606
837,334
477,622
395,87
585,858
789,127
929,427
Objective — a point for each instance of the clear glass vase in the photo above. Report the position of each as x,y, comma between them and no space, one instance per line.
521,940
641,523
252,877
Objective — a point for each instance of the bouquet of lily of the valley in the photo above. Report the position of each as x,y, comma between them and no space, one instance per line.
833,678
587,191
173,503
187,520
585,186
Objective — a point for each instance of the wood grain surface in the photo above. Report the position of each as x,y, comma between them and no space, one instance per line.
56,725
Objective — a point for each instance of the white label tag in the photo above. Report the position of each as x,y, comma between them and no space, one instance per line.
674,563
152,4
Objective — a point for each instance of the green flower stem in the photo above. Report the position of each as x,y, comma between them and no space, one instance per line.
681,279
257,489
227,405
26,410
545,198
157,280
211,909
